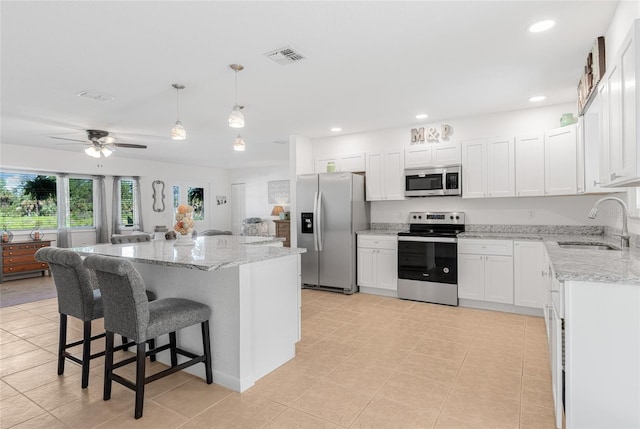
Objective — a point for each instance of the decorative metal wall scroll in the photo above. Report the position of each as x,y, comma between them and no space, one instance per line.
158,196
433,134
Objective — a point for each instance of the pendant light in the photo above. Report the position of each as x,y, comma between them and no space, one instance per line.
97,152
178,132
238,144
236,118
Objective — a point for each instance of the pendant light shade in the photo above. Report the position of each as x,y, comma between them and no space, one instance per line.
236,118
238,144
97,152
178,132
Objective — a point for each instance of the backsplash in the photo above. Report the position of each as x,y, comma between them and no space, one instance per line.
538,229
390,226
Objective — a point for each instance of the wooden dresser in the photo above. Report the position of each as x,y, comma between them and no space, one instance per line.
17,258
283,230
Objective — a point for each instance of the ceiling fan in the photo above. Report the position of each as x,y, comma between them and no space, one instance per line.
101,143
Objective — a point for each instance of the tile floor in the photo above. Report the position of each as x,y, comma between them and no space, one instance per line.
363,362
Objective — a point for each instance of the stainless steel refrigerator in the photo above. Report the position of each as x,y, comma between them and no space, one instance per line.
331,208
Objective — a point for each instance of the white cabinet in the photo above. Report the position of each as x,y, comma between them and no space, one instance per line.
488,168
485,270
378,264
619,119
529,274
530,165
384,172
432,155
560,176
353,163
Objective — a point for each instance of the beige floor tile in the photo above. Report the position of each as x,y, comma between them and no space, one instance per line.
43,421
533,417
16,348
309,337
395,338
380,355
335,346
6,391
23,322
40,375
537,391
443,370
492,359
237,411
539,368
485,411
294,419
62,391
417,392
448,422
7,317
331,402
361,378
315,366
17,409
27,332
7,337
442,349
154,416
37,304
322,325
24,361
383,413
192,397
284,385
490,382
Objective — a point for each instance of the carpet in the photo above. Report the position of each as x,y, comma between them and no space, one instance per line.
15,292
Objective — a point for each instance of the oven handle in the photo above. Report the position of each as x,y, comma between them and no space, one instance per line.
429,239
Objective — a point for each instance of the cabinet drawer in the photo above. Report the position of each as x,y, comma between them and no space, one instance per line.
35,266
17,252
19,259
486,247
17,247
378,242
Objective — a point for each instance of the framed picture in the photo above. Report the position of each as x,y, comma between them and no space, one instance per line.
278,192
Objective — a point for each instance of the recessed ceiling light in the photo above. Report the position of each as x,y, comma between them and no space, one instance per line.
541,26
422,116
537,98
336,129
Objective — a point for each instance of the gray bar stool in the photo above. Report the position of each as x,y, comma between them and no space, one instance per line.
79,297
128,312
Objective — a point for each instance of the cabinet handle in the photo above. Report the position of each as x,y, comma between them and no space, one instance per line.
596,183
615,176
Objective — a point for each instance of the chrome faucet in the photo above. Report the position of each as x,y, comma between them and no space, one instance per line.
624,237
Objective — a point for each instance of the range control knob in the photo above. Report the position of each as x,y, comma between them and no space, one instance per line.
457,217
450,217
414,216
419,217
446,270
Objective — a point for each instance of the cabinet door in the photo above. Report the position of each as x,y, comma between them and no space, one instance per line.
418,156
530,166
375,176
628,123
498,279
603,95
474,175
321,164
614,106
501,179
446,154
393,176
353,163
471,276
387,269
555,353
560,161
528,273
366,267
580,156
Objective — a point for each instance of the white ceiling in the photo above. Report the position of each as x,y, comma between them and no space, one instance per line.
370,65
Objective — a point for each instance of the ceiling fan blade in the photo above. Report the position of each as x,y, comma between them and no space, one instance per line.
130,145
63,138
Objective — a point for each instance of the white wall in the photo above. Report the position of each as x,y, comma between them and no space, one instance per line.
255,180
215,181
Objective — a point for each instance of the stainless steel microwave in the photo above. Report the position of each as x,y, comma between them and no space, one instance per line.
429,182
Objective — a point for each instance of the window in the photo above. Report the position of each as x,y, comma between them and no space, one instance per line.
28,200
176,197
81,202
128,215
196,200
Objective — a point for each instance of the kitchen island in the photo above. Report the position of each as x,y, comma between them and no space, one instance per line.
252,285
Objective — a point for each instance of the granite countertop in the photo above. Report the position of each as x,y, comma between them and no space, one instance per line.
208,253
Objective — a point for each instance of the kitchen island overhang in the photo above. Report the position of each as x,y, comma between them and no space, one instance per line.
252,287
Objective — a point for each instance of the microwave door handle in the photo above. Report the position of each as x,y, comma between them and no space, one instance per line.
315,221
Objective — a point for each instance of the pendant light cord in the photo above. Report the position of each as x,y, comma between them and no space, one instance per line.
236,71
178,104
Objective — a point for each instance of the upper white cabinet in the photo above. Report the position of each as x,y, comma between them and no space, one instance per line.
353,162
432,155
488,168
560,176
619,99
385,176
530,165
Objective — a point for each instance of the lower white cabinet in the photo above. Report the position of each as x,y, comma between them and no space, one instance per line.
485,270
529,274
378,264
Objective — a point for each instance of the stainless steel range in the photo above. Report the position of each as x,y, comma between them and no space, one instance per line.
428,257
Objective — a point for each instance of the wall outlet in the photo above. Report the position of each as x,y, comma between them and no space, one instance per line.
532,214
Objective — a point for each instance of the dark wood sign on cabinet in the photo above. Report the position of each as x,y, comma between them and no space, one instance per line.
18,258
283,231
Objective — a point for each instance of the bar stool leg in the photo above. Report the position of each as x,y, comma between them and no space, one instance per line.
152,345
140,364
62,343
86,353
108,366
174,354
206,343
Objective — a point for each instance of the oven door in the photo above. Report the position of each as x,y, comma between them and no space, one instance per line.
421,183
428,259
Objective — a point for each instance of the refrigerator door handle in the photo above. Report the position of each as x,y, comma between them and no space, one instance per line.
319,217
315,221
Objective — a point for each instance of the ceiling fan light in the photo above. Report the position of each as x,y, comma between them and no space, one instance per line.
106,152
178,132
238,144
92,152
236,118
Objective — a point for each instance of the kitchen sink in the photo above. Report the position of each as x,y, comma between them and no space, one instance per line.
593,246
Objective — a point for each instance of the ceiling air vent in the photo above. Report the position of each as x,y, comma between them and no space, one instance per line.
95,95
284,56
